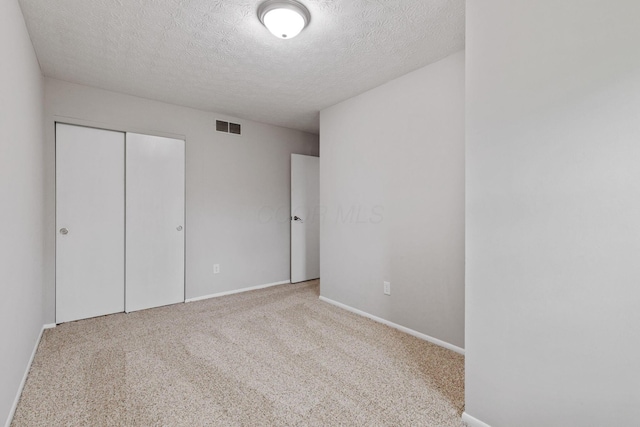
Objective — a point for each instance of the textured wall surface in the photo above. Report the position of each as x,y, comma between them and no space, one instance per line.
21,202
392,190
215,55
237,187
553,213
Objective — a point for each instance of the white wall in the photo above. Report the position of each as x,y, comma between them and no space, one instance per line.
392,191
21,200
553,212
238,187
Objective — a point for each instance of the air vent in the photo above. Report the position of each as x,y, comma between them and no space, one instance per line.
222,126
234,128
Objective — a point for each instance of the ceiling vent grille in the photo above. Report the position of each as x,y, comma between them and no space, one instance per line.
234,128
222,126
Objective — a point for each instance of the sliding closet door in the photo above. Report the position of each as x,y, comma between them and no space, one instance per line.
89,222
154,221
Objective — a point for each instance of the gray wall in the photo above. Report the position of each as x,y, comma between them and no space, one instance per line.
553,212
21,199
238,188
392,193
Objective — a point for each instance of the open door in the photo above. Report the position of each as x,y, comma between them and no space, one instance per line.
305,218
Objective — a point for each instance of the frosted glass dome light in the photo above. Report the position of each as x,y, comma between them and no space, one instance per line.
284,18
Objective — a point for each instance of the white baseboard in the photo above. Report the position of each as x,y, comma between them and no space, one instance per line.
404,329
49,326
473,421
237,291
24,377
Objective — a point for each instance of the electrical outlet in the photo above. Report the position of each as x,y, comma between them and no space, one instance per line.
387,288
216,268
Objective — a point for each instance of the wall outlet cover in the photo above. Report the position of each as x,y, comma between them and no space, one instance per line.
387,288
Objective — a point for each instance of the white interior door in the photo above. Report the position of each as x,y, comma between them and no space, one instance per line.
305,218
89,222
154,221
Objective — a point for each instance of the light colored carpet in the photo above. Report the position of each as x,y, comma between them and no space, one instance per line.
274,357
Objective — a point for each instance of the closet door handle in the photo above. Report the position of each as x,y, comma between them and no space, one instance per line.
64,231
179,228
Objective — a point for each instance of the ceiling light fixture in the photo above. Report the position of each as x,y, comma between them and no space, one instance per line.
284,18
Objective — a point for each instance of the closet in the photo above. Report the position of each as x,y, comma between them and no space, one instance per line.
119,222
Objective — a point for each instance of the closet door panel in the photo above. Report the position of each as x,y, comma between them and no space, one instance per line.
155,205
89,222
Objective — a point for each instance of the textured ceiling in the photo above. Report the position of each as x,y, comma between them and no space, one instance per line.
215,55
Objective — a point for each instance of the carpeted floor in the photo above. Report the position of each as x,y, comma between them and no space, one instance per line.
274,357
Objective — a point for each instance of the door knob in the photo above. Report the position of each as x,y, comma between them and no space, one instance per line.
179,228
297,218
64,231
